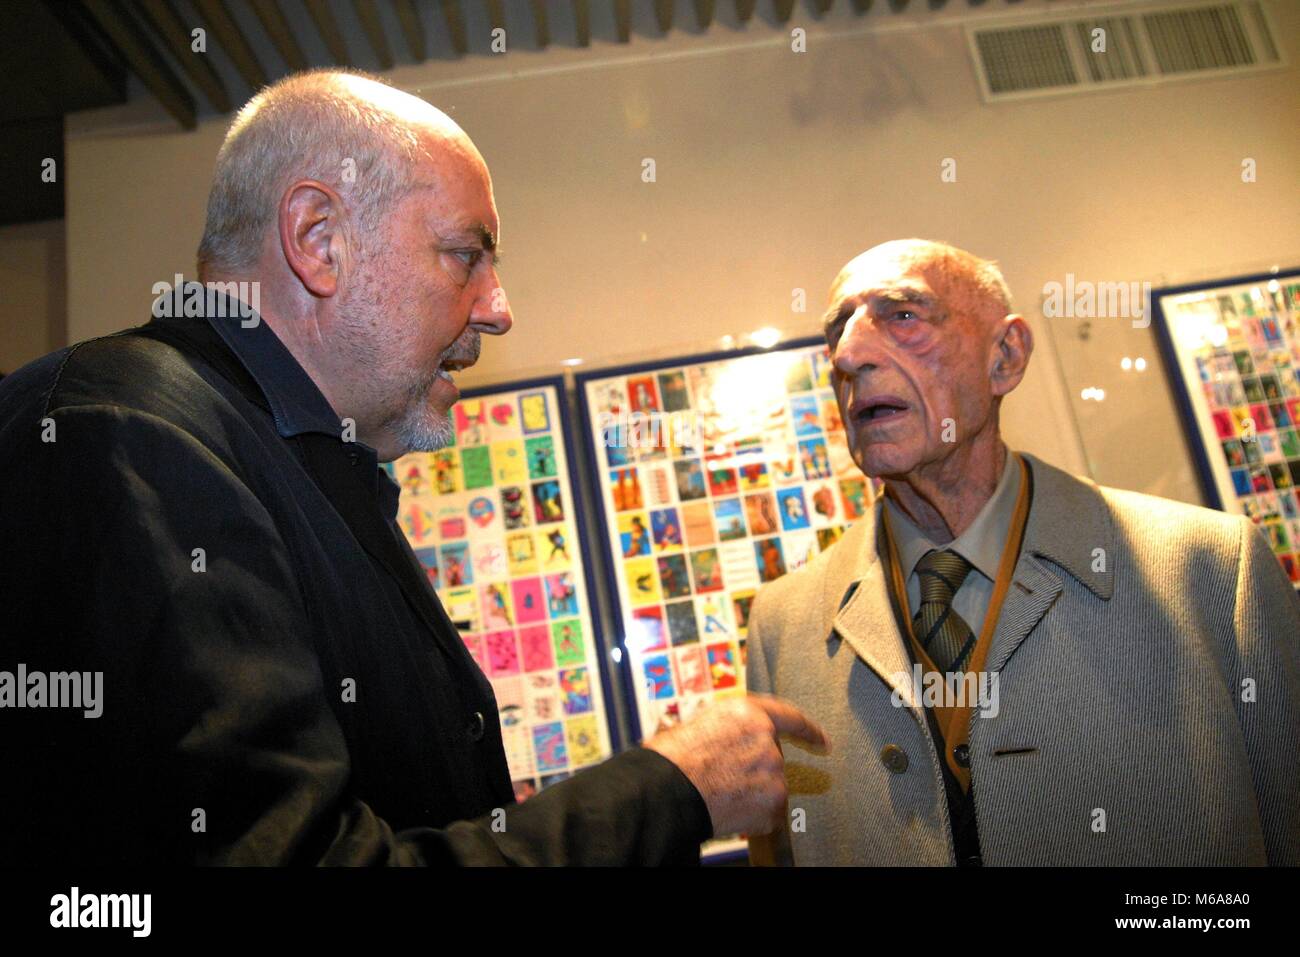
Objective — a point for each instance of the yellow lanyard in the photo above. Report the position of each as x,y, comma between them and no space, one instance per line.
953,722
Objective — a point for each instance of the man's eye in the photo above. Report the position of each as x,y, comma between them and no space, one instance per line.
904,314
469,257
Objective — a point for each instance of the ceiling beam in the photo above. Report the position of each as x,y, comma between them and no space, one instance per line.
496,14
232,40
277,28
455,26
820,7
664,14
861,6
623,20
176,35
412,28
745,10
704,13
582,22
145,61
328,28
374,31
541,31
783,9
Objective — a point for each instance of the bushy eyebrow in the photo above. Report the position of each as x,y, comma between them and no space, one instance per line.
474,232
899,296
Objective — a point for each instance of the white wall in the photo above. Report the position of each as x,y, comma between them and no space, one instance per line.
33,292
773,169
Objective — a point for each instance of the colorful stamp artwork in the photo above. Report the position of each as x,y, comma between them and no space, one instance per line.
492,521
715,478
1237,350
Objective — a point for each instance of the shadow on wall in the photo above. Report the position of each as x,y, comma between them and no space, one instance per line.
883,83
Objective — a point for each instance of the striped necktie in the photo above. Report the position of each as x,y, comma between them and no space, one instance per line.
942,633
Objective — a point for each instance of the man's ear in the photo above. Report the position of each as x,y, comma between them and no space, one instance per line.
1011,351
312,235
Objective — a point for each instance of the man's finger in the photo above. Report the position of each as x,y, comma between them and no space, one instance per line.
789,720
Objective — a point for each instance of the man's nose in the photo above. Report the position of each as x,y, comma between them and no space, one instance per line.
492,309
859,347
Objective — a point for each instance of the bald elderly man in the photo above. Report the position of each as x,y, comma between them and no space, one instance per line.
1017,667
196,523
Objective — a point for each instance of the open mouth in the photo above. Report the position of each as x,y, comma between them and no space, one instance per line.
449,366
882,409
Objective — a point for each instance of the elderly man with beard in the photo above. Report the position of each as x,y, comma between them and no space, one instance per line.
195,509
1017,666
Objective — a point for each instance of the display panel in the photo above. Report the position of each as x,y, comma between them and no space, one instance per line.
494,522
1233,352
716,474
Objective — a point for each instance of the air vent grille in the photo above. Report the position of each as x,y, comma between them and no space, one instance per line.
1207,39
1067,53
1027,58
1122,57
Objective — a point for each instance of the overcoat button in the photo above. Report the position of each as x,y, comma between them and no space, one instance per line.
961,754
894,758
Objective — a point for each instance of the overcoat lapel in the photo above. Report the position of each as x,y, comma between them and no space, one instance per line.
856,598
345,487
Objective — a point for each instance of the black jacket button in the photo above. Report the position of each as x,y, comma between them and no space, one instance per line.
476,726
961,754
894,758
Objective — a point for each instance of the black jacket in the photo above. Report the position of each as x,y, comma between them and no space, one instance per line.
225,735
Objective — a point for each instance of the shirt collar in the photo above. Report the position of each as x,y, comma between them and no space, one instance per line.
389,494
981,544
297,404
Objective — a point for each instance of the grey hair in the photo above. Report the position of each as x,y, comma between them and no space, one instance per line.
305,126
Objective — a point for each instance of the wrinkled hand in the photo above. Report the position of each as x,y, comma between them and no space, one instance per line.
729,751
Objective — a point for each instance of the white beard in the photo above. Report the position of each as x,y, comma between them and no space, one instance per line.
424,429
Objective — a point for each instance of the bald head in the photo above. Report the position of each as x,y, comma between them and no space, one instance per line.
345,129
961,279
924,346
366,218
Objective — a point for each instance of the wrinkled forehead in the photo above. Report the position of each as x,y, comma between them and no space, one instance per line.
894,277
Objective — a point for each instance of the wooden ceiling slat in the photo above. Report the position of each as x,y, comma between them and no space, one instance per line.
496,14
821,7
373,28
168,24
704,13
745,10
861,6
455,26
783,9
582,22
541,31
277,28
233,41
412,28
664,14
623,20
328,28
145,61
